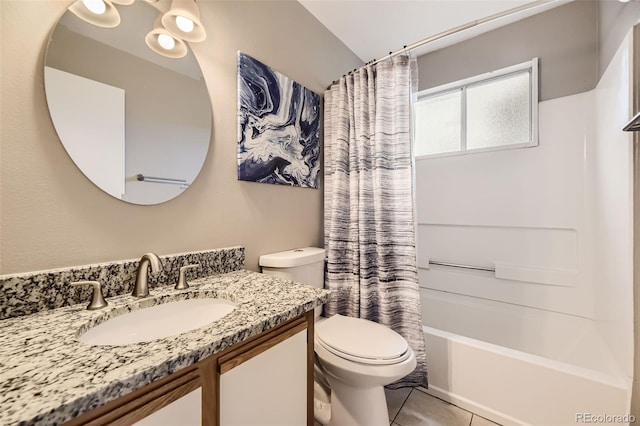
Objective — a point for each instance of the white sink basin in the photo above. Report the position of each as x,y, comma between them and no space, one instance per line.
158,321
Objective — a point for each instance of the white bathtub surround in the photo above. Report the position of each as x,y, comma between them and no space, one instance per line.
610,166
494,358
516,388
369,209
554,322
558,337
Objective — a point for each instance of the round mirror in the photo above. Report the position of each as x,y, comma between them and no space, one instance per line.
136,123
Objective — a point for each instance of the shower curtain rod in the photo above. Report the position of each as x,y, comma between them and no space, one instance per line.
458,29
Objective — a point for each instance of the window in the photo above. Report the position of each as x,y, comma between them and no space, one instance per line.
497,110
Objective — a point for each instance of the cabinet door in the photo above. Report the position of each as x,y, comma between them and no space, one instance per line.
269,389
186,411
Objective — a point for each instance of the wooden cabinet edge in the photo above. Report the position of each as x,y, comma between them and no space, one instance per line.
310,318
111,412
155,404
206,373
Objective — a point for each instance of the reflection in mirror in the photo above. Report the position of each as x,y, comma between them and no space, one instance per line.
122,110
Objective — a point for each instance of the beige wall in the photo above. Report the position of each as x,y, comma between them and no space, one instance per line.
614,20
52,216
575,43
564,38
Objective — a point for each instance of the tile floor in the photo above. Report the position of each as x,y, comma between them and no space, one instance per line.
414,407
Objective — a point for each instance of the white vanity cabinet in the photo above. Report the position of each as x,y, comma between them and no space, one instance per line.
268,389
186,411
265,380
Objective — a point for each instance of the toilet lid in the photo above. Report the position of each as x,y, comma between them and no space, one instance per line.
361,340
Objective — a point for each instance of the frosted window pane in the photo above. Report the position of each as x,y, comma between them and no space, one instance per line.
438,124
498,112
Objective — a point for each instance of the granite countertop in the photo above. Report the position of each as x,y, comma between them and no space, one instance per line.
48,377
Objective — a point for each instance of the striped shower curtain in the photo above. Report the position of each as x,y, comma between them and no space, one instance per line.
369,212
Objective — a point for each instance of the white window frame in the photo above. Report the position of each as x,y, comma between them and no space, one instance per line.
530,66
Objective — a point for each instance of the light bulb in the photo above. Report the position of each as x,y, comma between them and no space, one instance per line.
624,1
166,41
185,24
95,6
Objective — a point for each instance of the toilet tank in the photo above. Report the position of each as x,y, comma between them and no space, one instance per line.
303,265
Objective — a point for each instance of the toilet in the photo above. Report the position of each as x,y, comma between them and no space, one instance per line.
355,358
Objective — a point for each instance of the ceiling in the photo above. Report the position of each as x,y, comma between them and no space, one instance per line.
373,28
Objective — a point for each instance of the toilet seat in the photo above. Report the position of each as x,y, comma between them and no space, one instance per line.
361,341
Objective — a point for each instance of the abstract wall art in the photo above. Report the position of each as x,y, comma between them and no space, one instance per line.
278,127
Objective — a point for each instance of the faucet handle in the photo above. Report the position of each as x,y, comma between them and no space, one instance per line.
97,299
182,281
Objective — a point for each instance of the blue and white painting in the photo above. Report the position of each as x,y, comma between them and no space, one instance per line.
278,127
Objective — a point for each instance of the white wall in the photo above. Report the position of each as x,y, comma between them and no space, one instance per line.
610,168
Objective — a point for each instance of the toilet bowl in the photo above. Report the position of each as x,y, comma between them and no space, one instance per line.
355,358
358,358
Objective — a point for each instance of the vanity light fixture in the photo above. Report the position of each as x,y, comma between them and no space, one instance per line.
183,20
97,7
164,43
101,13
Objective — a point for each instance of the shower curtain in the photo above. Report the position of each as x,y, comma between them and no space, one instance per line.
369,212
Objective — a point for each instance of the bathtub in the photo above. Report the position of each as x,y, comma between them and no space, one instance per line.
519,366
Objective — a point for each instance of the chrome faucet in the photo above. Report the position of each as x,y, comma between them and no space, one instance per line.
142,278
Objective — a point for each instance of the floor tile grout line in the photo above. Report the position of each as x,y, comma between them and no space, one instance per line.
443,401
401,406
393,422
446,402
